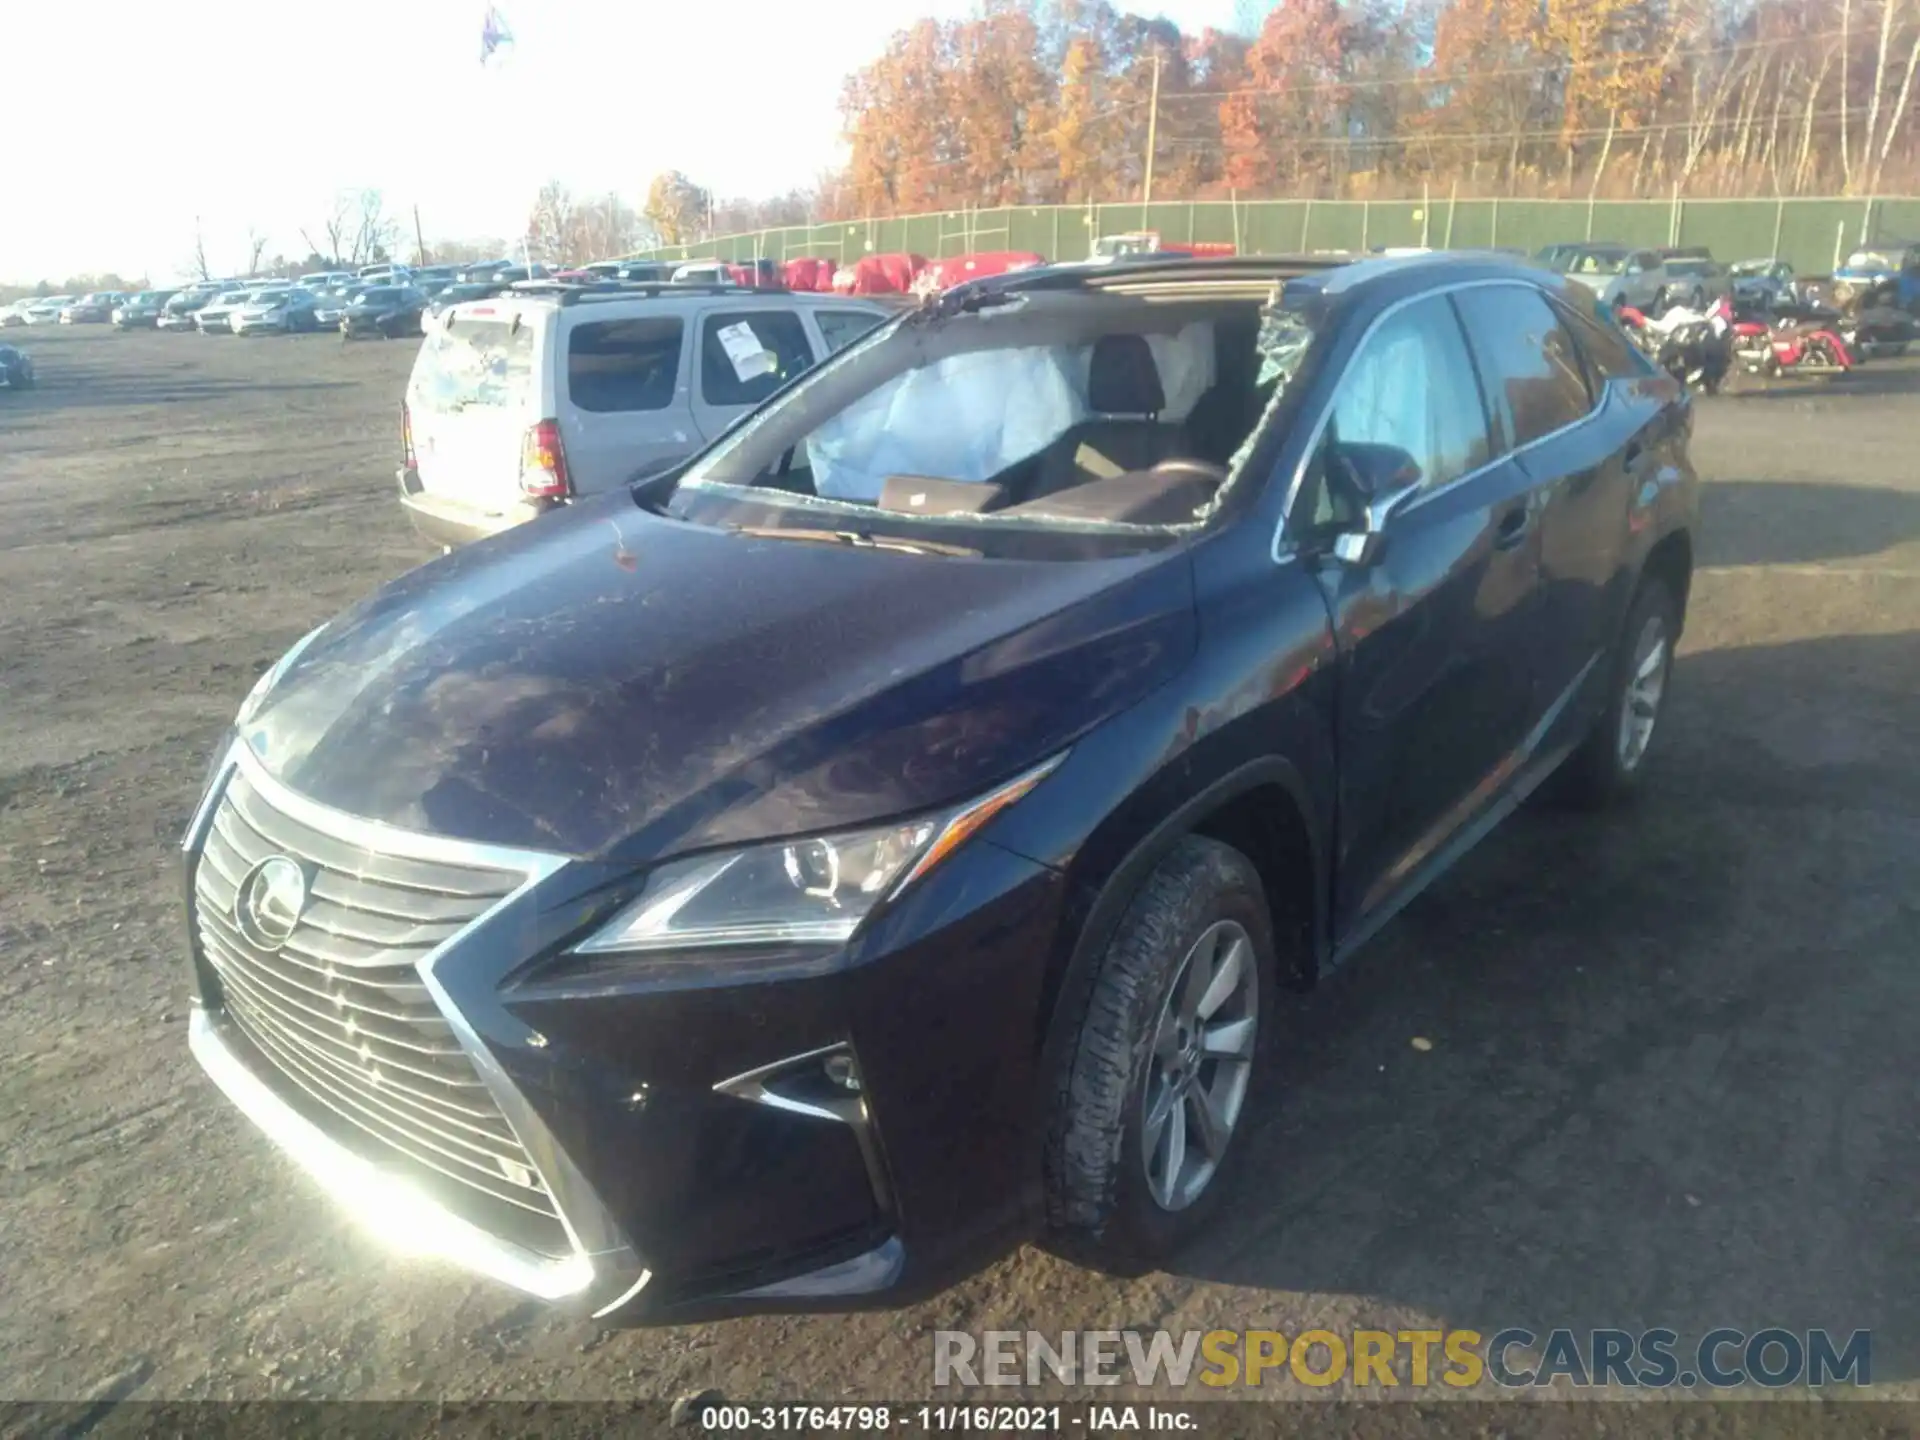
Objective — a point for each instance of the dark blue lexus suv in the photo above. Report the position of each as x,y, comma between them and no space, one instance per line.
791,881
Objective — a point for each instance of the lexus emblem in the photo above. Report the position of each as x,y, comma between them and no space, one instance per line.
269,902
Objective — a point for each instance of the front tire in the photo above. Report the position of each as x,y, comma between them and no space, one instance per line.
1167,1064
1610,762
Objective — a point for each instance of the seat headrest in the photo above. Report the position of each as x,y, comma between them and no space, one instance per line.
1122,378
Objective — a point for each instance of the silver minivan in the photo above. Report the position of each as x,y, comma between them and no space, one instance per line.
524,401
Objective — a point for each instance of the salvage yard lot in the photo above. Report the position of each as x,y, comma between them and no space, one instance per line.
1671,1079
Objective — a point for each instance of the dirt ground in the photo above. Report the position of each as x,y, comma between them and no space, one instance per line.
1671,1081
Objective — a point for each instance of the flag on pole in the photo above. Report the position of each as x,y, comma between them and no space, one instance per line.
493,33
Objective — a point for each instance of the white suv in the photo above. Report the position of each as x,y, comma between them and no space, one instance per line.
546,392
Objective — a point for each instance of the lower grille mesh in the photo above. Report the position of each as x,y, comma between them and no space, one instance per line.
338,1013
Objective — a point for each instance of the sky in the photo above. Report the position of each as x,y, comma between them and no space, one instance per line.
251,117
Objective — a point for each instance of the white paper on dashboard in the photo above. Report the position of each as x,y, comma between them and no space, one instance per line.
750,358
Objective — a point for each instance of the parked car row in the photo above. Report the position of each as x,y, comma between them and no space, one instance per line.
1880,274
90,309
1649,280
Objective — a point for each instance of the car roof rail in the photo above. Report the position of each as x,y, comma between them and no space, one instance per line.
568,293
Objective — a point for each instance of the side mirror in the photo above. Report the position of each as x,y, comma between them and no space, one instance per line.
1382,478
1359,549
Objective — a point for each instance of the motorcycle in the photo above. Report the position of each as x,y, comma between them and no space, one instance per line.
1789,345
1695,347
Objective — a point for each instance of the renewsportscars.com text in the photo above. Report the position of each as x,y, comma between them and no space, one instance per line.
1512,1358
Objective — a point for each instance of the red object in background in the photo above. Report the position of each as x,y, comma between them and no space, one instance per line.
1199,249
945,274
1778,351
809,274
879,275
756,274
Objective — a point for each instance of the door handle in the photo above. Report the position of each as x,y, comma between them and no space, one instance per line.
1513,527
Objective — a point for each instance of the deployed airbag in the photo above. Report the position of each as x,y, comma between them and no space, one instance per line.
966,417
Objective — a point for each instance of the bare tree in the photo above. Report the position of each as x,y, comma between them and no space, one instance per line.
1890,12
256,247
200,251
552,224
564,230
457,252
373,228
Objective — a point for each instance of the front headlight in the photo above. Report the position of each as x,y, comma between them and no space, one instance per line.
807,892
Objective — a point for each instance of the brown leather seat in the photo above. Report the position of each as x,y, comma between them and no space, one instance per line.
1125,435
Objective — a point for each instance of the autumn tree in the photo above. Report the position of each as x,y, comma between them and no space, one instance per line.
1079,167
1036,101
1286,127
902,129
676,207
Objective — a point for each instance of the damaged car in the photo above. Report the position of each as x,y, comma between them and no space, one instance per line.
891,834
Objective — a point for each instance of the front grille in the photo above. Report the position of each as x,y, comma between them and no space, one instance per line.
346,1028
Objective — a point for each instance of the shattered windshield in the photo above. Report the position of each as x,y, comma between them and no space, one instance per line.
1042,411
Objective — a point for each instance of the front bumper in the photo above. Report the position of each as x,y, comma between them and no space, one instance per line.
253,326
395,1211
683,1129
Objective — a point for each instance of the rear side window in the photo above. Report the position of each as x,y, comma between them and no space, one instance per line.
474,363
1528,363
840,328
624,365
747,355
1610,354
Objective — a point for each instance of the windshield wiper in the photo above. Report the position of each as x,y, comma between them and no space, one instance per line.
857,538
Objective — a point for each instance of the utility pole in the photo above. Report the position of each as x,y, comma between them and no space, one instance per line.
1153,130
419,236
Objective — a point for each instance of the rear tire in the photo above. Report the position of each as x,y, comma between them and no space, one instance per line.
1610,762
1167,1065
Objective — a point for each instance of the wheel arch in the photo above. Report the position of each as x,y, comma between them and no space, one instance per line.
1263,808
1670,561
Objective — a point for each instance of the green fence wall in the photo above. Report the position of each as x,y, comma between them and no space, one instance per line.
1811,233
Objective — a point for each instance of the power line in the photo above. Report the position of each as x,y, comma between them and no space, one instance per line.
1453,137
919,168
1549,68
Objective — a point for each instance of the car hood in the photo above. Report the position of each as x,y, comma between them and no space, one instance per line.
604,682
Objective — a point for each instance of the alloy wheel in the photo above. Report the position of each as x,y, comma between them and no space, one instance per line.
1646,685
1196,1082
